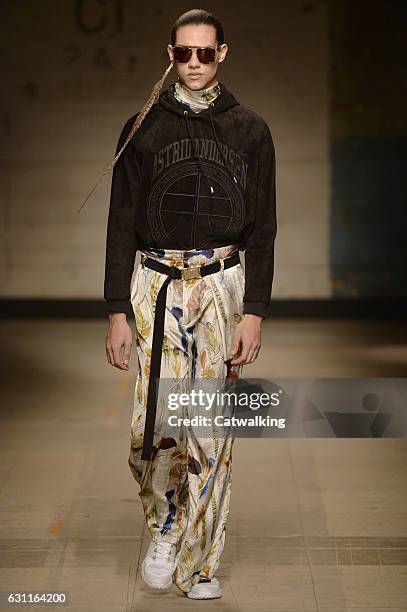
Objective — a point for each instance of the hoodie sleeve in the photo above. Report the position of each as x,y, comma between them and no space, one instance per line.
259,253
121,246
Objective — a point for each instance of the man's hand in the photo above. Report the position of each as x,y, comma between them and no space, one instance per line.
246,340
118,341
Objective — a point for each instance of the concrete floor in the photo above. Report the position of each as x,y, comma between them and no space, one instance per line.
314,524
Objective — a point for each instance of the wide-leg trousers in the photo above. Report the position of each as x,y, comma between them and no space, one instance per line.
185,488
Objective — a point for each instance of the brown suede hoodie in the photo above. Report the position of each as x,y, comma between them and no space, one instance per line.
194,181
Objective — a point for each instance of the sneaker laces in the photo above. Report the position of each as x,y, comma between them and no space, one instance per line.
162,550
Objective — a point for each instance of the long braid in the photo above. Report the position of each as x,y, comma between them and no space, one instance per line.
153,97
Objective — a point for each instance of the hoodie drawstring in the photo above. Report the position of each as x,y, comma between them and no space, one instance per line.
193,143
217,142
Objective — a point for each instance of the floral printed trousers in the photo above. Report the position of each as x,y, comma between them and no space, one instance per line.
185,488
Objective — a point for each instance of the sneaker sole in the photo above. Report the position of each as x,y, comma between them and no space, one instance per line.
214,595
153,585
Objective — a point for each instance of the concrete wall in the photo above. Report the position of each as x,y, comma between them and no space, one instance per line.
368,246
76,69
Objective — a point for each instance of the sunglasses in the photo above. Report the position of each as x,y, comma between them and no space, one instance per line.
206,55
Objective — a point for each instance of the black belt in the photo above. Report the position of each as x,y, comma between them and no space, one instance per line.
185,273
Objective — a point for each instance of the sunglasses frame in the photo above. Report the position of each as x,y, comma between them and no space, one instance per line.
191,48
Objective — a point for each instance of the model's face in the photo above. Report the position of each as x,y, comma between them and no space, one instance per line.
194,74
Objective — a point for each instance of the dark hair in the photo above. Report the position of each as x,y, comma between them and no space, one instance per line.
194,16
198,17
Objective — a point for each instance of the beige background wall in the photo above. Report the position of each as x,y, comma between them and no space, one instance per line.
74,71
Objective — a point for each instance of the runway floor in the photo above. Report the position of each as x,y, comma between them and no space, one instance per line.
315,524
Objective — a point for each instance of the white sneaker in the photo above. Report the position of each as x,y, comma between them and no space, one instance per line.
205,590
158,565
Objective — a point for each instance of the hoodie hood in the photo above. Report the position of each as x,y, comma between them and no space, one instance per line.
223,102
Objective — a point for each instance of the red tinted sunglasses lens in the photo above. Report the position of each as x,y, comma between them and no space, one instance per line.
182,54
206,55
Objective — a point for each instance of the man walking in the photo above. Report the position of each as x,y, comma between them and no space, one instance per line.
193,188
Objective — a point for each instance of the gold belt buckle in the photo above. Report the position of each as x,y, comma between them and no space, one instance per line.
191,272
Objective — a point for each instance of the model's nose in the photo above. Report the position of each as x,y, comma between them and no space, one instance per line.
194,61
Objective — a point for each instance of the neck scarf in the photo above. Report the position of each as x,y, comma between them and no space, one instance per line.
196,100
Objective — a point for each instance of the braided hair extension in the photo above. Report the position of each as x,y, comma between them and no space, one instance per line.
193,16
153,97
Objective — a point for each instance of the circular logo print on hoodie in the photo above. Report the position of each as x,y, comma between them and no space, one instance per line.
195,204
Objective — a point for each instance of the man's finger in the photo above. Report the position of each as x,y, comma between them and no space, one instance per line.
117,360
242,357
126,353
250,356
108,356
109,352
234,349
253,353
